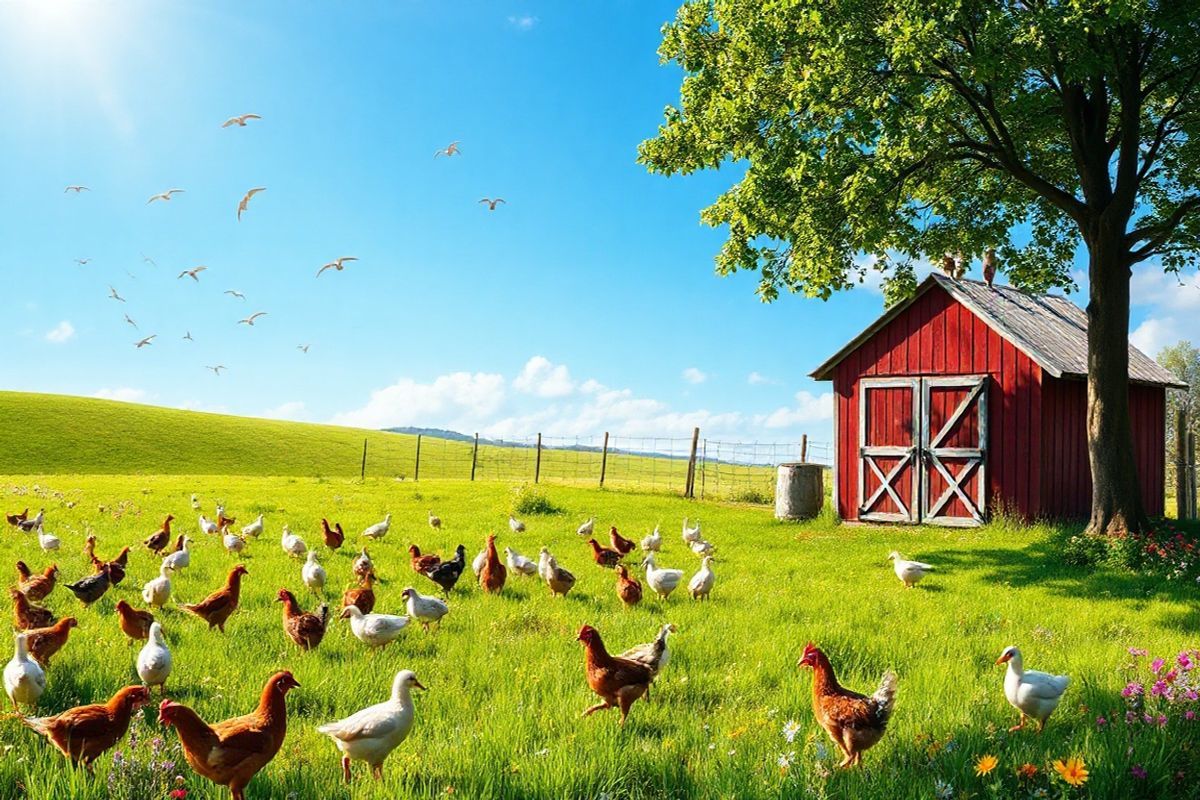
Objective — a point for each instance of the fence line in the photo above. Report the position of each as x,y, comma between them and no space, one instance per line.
693,465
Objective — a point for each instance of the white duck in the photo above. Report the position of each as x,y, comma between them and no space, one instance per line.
371,734
254,528
702,582
374,630
478,562
157,591
379,529
518,563
653,542
24,680
545,564
292,544
587,528
701,547
312,573
48,541
909,572
1034,694
154,661
425,610
180,559
515,525
691,534
662,581
208,526
234,543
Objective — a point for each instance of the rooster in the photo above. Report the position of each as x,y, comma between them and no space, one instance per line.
305,629
333,536
493,574
232,752
855,722
84,733
619,542
618,681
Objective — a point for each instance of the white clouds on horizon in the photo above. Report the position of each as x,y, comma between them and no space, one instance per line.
545,379
462,400
809,409
293,410
61,333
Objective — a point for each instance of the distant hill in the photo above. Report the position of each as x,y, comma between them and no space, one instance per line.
440,433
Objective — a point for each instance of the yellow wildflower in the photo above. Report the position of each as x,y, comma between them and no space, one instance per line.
1072,771
985,764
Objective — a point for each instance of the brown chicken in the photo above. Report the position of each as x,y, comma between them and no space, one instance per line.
333,536
362,596
628,589
855,722
134,623
26,615
619,542
618,681
493,574
217,607
603,556
156,541
17,519
304,628
178,544
232,752
84,733
422,563
36,587
223,521
116,567
45,642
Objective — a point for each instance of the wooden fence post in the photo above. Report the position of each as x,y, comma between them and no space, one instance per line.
803,448
474,456
537,465
362,473
703,467
417,468
1182,503
689,490
604,460
1191,473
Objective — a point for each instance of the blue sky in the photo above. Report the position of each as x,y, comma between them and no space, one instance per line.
586,303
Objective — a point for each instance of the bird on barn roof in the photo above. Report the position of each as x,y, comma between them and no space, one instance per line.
948,265
989,265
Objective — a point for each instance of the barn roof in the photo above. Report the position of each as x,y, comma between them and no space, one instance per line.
1050,329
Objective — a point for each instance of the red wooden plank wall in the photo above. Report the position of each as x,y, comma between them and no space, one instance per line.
938,336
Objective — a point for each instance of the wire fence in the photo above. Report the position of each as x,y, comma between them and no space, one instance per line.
694,466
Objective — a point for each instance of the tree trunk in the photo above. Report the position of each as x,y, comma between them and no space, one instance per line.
1116,494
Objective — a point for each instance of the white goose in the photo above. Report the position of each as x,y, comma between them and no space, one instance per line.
379,529
180,559
254,528
24,679
292,544
702,582
910,573
662,581
157,591
1034,694
312,573
373,733
518,563
374,630
48,541
154,661
653,542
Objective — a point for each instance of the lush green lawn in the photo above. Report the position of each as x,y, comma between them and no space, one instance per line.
505,676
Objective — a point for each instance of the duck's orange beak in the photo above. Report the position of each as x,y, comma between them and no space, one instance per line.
1003,659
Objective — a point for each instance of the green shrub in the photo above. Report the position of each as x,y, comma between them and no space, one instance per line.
528,500
751,494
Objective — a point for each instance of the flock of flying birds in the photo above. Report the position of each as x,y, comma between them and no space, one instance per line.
338,264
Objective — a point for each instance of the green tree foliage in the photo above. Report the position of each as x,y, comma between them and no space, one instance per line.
1183,360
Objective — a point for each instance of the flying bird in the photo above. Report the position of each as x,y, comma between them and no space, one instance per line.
188,336
250,319
339,264
239,120
140,344
76,189
449,150
149,260
130,320
194,273
246,200
82,261
113,294
217,369
303,348
236,294
163,195
491,203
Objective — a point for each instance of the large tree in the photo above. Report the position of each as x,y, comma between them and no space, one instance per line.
909,129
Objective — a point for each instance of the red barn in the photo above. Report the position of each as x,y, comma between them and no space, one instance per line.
965,401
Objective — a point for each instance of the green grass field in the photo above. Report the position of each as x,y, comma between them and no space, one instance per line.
505,675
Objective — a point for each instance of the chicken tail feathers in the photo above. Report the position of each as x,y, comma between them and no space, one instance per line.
323,613
885,696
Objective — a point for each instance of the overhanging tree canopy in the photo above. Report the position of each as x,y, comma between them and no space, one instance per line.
912,129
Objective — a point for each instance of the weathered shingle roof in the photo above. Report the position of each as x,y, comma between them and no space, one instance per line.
1050,329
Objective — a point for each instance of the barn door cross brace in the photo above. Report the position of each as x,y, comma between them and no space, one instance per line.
885,483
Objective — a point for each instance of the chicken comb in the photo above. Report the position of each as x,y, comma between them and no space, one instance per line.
809,648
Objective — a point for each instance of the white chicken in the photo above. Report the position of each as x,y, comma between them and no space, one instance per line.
374,630
653,542
24,679
195,503
157,591
362,564
254,528
425,610
379,529
587,528
1034,694
181,558
154,661
373,733
292,544
691,534
48,541
518,563
662,581
515,525
702,582
234,543
208,526
654,655
910,573
478,562
312,573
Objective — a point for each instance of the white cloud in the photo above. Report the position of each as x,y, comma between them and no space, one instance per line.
1156,333
523,22
693,375
1150,286
544,379
60,333
458,400
126,394
758,379
809,409
292,410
